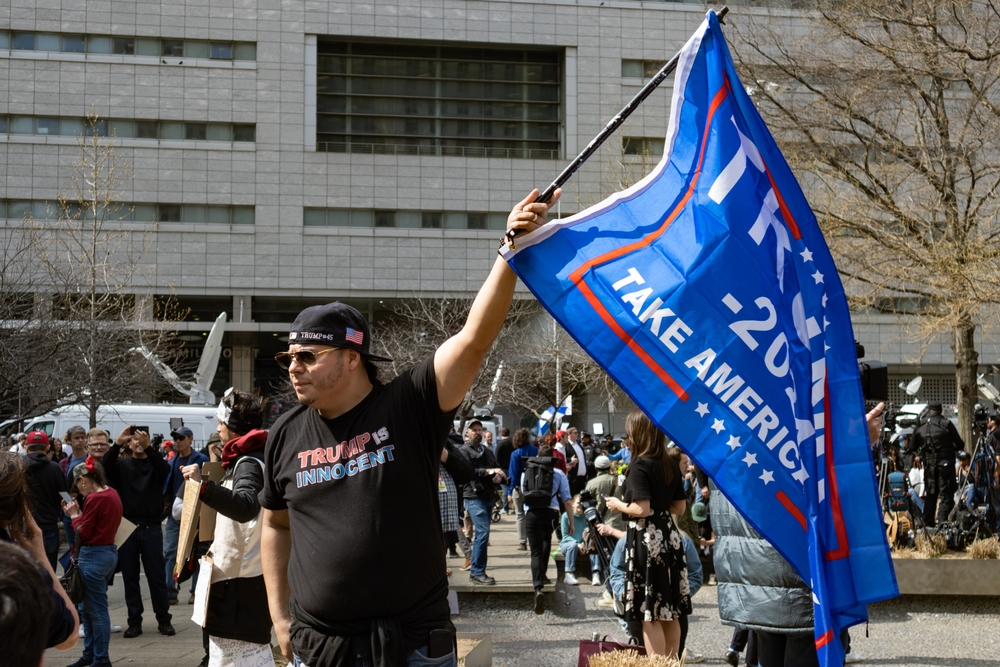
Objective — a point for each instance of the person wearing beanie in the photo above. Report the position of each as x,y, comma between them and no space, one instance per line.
237,618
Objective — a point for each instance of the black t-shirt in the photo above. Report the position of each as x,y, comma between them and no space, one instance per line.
361,492
645,482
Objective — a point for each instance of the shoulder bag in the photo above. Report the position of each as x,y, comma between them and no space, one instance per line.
72,579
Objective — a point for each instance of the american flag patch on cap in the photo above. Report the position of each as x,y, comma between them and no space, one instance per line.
355,336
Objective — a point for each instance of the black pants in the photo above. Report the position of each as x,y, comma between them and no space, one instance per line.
945,486
145,544
683,621
745,639
538,524
776,650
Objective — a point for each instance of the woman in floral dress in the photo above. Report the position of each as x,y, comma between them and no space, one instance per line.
656,583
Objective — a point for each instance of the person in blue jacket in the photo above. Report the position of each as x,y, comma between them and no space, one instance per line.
186,456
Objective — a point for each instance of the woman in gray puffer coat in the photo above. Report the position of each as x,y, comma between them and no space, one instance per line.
760,591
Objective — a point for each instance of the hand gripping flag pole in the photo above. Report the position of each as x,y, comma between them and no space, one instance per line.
708,293
609,129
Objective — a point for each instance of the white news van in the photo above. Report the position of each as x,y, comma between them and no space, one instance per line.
199,418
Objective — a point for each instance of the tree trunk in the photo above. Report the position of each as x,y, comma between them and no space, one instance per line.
963,344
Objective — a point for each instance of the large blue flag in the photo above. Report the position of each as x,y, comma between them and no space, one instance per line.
722,315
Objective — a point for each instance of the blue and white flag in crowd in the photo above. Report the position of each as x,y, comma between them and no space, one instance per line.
547,418
707,292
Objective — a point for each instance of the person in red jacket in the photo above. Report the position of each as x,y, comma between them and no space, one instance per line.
95,528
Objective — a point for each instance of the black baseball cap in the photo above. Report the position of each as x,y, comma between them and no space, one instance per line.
335,324
182,432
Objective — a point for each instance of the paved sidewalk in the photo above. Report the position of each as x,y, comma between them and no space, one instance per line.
510,567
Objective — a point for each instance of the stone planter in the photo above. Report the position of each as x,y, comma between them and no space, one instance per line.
947,576
475,649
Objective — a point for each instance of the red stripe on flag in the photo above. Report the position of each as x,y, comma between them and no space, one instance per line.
792,509
578,274
824,640
843,549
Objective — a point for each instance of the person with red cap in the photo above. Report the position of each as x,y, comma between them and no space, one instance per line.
45,482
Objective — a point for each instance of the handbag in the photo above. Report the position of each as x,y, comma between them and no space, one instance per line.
590,648
72,579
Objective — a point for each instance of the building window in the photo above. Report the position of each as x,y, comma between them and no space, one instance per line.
127,46
643,146
129,129
339,217
40,209
641,69
437,100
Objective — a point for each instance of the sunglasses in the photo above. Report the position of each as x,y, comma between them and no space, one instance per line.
305,357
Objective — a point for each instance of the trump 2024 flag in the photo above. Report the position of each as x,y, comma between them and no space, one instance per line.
708,293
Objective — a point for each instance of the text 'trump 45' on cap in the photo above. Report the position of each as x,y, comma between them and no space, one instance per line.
335,324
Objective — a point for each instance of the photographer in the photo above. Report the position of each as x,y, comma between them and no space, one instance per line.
936,440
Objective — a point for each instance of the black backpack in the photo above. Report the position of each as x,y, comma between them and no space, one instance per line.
538,481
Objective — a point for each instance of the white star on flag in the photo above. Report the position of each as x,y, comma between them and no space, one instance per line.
818,277
807,255
718,426
750,459
768,477
702,409
823,301
734,442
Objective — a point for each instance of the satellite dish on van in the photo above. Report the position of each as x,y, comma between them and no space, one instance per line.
988,390
198,391
913,386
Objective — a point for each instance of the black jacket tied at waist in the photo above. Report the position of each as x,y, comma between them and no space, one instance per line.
386,640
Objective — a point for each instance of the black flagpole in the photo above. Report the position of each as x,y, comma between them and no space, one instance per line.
612,125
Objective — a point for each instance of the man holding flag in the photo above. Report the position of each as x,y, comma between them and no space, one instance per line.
724,319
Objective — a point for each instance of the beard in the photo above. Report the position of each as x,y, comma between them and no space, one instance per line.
320,385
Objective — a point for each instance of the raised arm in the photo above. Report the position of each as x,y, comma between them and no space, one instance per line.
457,361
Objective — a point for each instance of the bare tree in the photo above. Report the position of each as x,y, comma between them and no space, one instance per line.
418,326
890,114
91,265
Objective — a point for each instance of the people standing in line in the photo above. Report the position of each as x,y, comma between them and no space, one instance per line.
139,482
657,591
936,440
237,598
45,482
185,456
479,495
386,441
95,526
523,450
540,519
502,450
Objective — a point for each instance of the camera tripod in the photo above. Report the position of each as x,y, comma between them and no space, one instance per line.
980,479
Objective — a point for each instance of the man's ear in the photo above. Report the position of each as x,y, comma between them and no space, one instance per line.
353,359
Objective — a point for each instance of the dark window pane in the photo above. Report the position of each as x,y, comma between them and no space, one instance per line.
195,131
430,220
477,220
23,41
3,124
73,44
100,127
123,46
244,133
172,47
385,218
168,213
221,50
146,129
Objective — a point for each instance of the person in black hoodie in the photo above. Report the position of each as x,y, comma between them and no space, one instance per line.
139,482
45,481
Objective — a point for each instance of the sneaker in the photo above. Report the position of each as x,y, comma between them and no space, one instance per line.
595,580
453,554
712,581
569,579
114,628
467,565
732,657
852,657
692,657
483,578
82,662
522,547
79,632
133,631
539,602
166,629
172,600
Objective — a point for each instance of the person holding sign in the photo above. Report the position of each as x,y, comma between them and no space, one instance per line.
237,620
352,476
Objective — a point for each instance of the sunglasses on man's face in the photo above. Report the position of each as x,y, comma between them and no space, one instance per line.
305,357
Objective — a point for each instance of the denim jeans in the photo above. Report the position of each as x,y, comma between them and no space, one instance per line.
917,500
505,490
97,565
171,535
416,658
50,538
145,544
479,511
